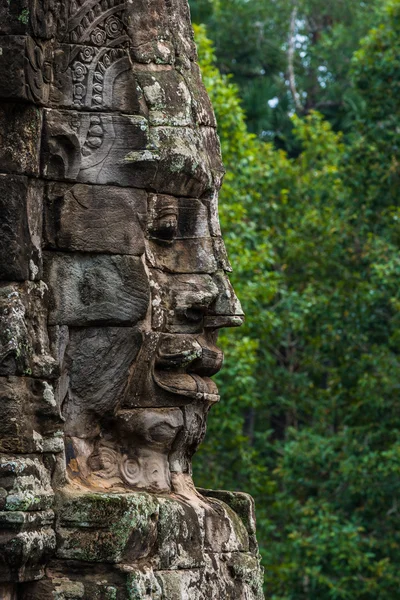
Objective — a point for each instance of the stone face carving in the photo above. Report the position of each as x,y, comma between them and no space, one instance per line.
113,286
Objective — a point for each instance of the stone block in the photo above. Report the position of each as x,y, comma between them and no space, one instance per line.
223,529
91,218
148,31
93,148
183,256
12,67
167,97
120,150
101,79
180,536
244,570
89,581
92,390
39,19
232,576
107,528
25,69
11,17
27,540
20,228
203,113
20,133
142,584
24,343
29,415
211,147
243,506
24,483
221,255
182,33
171,218
184,168
101,289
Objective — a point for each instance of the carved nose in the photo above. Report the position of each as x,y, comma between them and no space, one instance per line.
226,310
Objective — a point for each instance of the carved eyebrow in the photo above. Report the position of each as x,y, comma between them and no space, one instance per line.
167,210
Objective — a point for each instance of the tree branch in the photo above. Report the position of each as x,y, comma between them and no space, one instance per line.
291,49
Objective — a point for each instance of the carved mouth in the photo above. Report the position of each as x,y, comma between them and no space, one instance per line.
187,372
187,384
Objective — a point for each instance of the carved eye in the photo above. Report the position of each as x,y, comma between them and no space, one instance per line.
165,227
163,218
194,314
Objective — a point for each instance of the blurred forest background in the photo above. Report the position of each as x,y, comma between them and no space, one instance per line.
307,97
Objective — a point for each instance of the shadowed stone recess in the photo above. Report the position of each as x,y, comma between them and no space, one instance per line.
113,287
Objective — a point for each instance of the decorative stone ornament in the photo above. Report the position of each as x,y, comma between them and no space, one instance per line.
113,286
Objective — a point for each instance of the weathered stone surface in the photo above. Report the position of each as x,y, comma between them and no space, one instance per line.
171,218
115,348
24,343
159,545
25,68
184,167
40,19
211,147
167,97
180,302
24,483
122,150
221,255
140,582
180,543
148,30
243,506
30,416
95,582
20,126
214,581
93,218
10,17
189,256
203,113
104,289
20,228
12,67
27,541
93,148
93,391
226,310
108,528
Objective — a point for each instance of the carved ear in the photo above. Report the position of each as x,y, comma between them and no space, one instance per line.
64,159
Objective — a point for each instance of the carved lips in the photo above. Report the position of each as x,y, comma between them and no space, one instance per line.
184,364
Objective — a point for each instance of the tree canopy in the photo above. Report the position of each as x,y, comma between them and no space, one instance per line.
288,56
309,423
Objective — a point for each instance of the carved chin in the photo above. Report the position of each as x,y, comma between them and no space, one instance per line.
189,385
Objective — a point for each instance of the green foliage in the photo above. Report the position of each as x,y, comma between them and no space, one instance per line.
251,42
24,16
309,420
